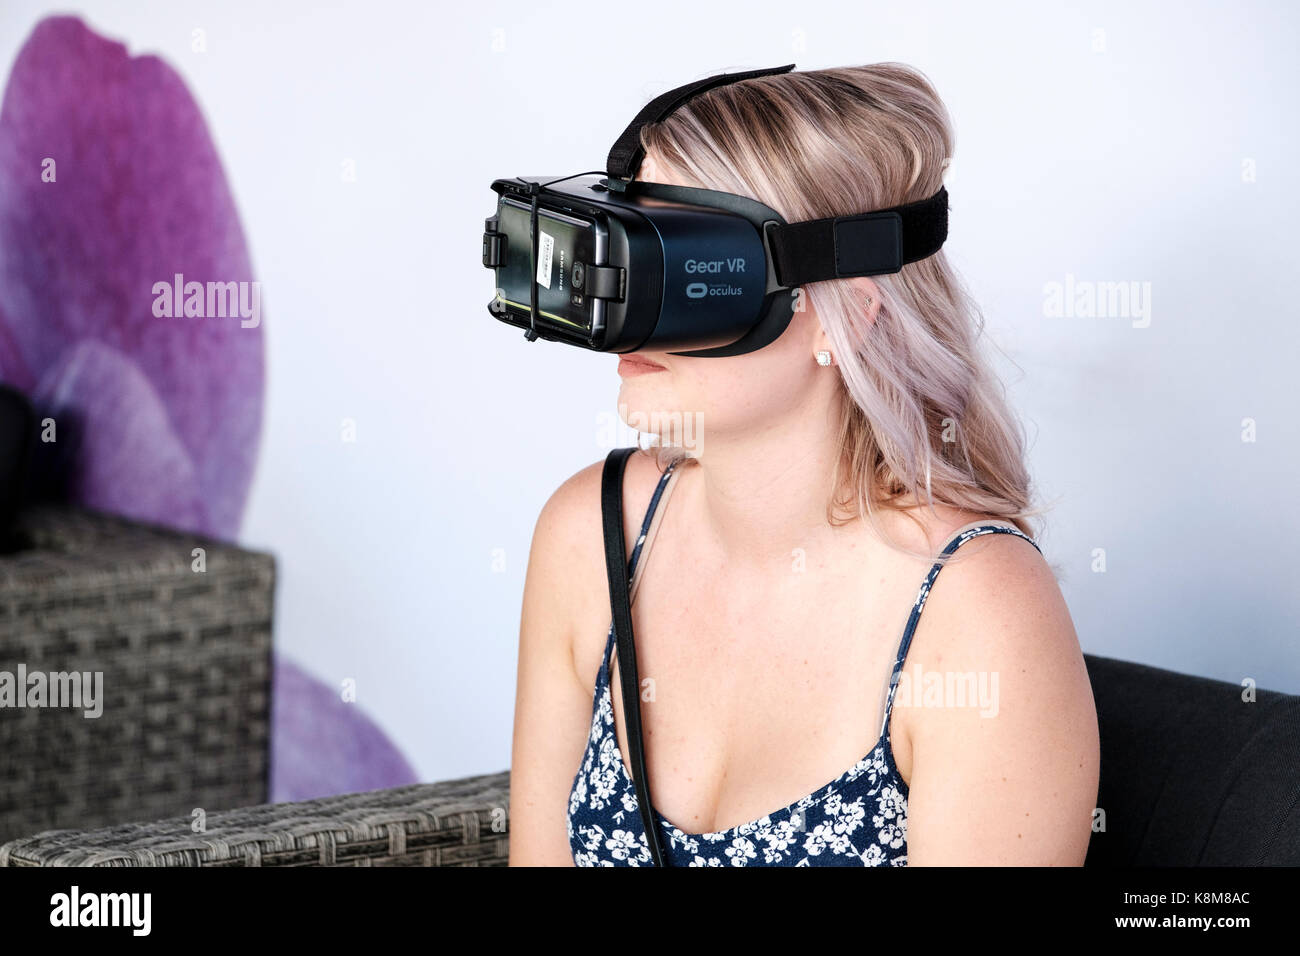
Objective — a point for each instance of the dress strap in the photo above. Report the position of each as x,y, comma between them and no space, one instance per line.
650,525
645,537
973,530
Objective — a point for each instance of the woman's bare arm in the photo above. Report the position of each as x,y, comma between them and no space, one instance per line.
552,704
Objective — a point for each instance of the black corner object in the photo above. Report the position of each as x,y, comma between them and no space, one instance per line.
1192,775
17,436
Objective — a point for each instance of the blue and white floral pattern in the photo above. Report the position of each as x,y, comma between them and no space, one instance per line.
858,819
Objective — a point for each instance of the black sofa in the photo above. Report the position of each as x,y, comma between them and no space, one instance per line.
1192,775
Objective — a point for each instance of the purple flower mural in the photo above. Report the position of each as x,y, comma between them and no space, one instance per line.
109,182
112,196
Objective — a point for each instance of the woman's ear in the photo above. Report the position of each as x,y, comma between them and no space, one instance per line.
867,296
647,170
822,347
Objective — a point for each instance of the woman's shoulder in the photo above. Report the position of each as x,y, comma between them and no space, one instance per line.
996,598
926,530
996,592
571,519
996,608
566,566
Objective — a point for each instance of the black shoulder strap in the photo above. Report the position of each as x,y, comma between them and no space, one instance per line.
616,569
625,158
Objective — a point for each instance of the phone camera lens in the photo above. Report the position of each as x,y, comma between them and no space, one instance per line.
579,275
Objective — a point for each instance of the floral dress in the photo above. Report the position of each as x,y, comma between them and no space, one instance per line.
857,819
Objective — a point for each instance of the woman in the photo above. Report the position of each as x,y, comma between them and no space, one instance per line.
784,586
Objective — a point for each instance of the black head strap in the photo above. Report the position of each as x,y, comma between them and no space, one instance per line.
625,158
868,244
873,243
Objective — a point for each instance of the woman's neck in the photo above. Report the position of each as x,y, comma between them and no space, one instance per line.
759,497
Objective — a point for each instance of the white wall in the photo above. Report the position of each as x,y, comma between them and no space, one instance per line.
1119,164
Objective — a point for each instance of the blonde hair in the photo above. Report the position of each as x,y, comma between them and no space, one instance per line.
923,414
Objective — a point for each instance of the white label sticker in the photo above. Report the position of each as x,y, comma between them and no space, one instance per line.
545,246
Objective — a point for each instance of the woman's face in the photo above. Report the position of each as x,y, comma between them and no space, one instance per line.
721,396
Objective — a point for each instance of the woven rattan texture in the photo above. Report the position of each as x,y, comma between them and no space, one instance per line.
451,823
186,662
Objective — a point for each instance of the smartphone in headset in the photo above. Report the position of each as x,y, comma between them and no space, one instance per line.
567,243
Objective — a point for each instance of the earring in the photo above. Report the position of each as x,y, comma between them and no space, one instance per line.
823,357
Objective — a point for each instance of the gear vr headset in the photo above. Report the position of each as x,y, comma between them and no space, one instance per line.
613,264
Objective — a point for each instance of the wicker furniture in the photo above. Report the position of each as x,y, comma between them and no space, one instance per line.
453,823
186,661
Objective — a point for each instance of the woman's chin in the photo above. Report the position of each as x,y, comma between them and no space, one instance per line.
643,417
671,425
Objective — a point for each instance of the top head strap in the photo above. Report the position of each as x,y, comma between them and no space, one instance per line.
625,158
867,244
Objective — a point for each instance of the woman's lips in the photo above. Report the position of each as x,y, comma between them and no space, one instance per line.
635,365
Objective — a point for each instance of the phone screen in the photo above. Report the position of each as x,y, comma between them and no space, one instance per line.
561,241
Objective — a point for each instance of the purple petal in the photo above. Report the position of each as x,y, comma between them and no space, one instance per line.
321,745
109,413
139,197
